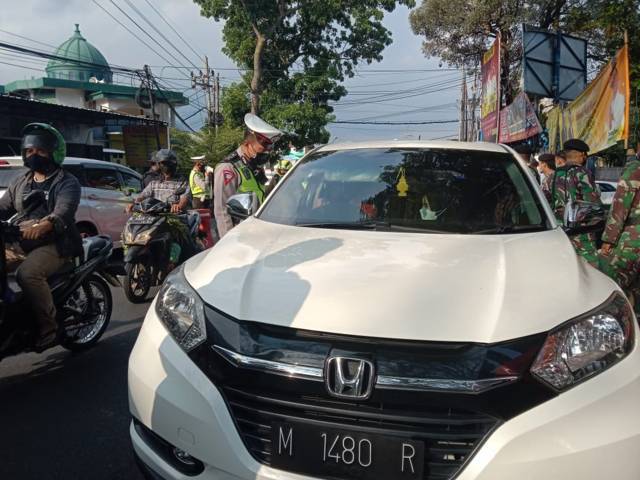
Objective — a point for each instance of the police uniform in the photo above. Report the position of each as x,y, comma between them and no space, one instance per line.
573,183
200,186
234,175
623,229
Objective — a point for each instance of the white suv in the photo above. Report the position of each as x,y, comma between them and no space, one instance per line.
395,310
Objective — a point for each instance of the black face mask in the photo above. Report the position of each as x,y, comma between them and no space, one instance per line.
165,169
38,163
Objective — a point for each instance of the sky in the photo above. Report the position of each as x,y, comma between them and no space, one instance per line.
403,87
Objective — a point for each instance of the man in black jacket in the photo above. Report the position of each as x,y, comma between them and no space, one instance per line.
50,237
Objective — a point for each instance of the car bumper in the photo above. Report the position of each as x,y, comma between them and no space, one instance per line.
589,432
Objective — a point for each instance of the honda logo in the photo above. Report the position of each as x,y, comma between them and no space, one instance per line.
350,378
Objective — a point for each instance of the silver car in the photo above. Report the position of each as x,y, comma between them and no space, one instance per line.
106,190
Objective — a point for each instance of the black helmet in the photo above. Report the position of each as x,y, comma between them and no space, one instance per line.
167,156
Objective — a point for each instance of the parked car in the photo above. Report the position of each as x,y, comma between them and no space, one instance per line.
384,316
607,191
106,190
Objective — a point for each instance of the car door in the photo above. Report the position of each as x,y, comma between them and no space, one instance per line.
106,199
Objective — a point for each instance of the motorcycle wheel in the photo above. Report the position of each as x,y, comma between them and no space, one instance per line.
90,307
137,282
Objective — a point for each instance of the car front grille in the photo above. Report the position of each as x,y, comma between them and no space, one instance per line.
450,435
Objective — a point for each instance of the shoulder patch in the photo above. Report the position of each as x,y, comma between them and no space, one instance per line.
228,175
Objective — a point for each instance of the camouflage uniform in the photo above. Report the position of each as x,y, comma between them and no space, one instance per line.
547,187
573,183
623,229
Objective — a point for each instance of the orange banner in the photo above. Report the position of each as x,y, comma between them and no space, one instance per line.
600,115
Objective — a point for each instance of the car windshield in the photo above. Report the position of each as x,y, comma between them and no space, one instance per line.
8,174
414,190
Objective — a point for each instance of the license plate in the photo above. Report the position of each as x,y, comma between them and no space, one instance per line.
337,453
142,220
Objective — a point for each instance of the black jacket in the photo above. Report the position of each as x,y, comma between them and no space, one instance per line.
62,204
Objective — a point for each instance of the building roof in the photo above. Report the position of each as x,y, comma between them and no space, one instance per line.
9,105
76,49
96,90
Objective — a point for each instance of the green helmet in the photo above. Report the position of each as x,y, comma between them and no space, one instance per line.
41,135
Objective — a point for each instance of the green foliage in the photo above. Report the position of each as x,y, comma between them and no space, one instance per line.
297,52
459,31
205,142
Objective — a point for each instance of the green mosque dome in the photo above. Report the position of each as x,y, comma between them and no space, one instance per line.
77,49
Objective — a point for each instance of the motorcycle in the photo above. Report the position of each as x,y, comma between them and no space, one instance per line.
80,293
151,252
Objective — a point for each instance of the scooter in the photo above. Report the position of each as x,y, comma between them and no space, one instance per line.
80,293
150,250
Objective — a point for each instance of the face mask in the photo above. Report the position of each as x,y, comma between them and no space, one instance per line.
38,163
165,169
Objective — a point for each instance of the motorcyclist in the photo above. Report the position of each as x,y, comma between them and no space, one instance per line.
50,237
169,188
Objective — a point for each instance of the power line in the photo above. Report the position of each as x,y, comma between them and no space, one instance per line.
146,33
170,105
37,53
148,22
174,30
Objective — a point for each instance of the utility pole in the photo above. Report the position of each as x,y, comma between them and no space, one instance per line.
462,134
204,80
149,84
217,98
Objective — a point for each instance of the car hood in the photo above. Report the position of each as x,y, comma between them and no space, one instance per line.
430,287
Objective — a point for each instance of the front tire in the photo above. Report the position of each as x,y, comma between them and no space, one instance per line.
91,305
138,281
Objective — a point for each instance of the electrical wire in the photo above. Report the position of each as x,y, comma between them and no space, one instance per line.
146,33
148,22
174,30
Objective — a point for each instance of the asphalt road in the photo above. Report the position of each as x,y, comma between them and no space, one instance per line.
65,416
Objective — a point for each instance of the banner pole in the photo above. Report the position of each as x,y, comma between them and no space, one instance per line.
628,92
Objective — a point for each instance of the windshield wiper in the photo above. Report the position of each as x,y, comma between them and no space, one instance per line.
365,225
510,229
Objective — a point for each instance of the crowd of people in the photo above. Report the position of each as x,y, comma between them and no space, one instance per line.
565,180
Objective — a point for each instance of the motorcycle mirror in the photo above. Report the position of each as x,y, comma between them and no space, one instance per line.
242,205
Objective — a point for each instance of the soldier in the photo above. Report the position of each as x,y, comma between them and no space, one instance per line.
235,174
620,254
547,169
572,183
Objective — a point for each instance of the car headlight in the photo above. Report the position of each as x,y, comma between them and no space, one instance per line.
181,311
587,345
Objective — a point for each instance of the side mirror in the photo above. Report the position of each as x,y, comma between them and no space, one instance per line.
584,217
242,205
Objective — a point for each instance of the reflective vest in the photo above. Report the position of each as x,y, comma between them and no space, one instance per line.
196,190
248,182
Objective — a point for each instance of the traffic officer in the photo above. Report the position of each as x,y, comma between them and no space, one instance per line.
620,253
200,184
237,172
572,183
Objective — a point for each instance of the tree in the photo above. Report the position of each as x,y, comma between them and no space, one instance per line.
297,52
205,142
459,31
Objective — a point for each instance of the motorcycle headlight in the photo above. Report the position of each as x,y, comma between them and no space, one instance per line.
587,345
143,237
181,311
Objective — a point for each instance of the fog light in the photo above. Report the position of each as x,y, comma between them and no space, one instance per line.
184,457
